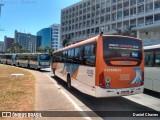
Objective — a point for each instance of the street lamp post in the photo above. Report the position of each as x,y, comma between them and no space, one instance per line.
0,8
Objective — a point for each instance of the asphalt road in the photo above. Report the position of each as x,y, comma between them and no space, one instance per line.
141,103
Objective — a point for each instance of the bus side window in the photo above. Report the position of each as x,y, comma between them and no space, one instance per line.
81,55
53,58
93,55
72,56
69,52
63,54
146,58
157,58
57,57
89,55
60,56
76,56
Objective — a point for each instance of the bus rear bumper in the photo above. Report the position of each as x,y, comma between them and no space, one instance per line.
101,92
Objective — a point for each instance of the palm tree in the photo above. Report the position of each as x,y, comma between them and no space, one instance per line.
65,42
40,49
17,48
23,50
48,50
119,32
10,50
127,32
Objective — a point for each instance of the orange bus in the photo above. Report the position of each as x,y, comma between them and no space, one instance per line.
102,66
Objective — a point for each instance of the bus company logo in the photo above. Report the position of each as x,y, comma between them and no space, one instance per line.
135,54
90,72
108,79
138,76
112,70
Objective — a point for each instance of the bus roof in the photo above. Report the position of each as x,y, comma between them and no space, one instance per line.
123,36
151,47
90,40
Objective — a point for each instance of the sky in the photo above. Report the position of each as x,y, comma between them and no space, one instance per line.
30,16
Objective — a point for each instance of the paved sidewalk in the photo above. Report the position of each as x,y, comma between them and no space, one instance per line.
49,97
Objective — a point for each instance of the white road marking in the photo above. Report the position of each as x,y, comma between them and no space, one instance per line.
71,100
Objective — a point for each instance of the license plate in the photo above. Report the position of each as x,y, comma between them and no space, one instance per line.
124,92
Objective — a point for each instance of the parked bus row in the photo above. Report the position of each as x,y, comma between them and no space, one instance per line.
29,60
102,66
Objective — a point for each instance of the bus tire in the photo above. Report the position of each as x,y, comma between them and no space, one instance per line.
38,69
28,66
69,82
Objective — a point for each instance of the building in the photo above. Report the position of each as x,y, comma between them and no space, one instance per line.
44,37
27,40
1,46
7,43
88,18
55,43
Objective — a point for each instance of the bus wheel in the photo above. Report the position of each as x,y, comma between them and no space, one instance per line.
69,82
28,66
38,69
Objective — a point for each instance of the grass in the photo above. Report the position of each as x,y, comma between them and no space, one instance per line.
16,92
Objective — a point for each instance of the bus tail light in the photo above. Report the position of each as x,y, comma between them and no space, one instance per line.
102,83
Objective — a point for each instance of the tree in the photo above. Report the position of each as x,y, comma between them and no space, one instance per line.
127,32
48,50
65,42
17,48
10,50
119,32
40,49
45,49
24,50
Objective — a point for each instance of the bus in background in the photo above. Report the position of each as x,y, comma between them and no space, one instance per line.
152,55
14,57
28,60
152,64
33,60
6,59
39,60
102,66
22,59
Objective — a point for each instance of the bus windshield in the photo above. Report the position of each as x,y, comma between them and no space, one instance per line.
117,49
44,57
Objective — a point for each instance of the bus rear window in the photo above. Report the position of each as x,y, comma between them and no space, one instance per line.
44,57
118,49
